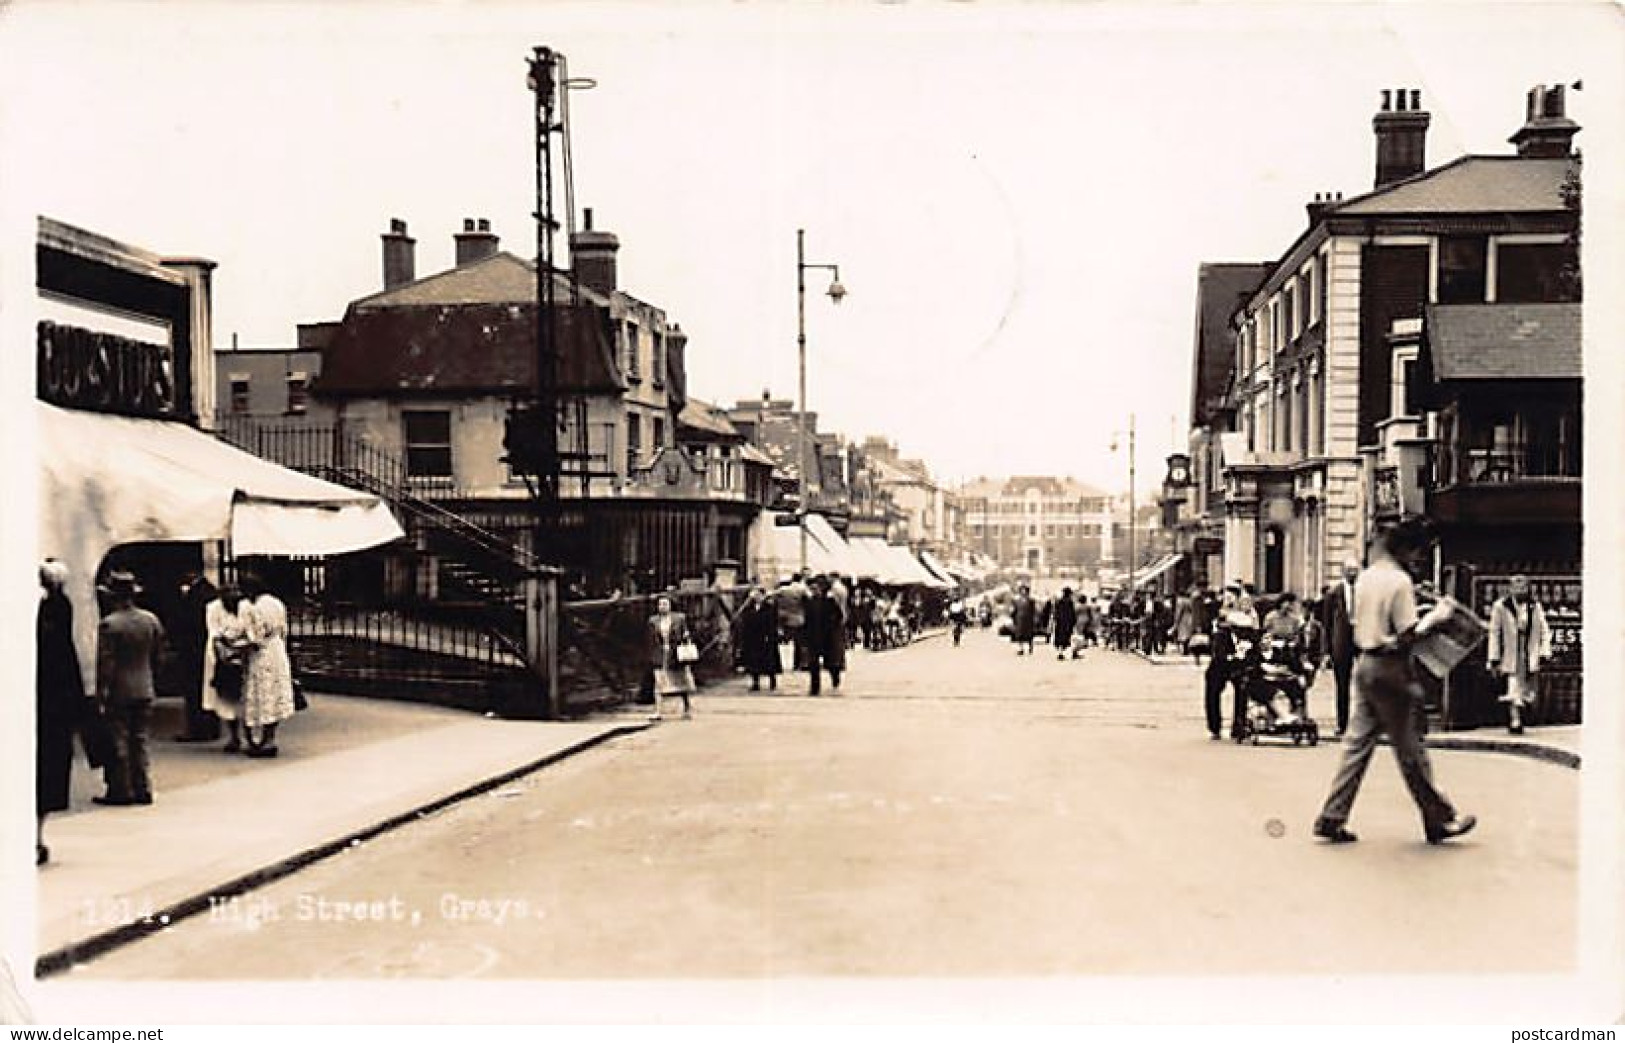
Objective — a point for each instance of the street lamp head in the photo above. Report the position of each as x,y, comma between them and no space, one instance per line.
836,291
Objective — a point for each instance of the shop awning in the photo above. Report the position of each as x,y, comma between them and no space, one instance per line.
1157,568
114,479
934,565
775,552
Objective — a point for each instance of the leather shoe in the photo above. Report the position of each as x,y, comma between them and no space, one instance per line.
112,802
1456,827
1337,834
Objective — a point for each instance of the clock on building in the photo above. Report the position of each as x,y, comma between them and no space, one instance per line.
1179,469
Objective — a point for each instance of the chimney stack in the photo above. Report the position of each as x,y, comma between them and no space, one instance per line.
475,242
1323,201
1402,131
593,256
1546,133
399,265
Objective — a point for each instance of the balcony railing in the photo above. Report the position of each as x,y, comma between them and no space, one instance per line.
1503,466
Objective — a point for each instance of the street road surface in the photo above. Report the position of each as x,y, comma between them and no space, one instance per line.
953,812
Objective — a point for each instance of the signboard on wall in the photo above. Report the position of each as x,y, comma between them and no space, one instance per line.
103,360
1558,595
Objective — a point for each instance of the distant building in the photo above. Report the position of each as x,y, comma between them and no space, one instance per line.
268,382
932,515
1041,524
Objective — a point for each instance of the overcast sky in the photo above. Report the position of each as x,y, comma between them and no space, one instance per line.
1018,195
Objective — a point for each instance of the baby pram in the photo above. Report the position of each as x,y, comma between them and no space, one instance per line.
1274,682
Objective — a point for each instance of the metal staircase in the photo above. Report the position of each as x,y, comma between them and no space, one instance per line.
461,616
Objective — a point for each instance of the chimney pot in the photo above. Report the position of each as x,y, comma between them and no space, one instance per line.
475,242
1401,130
399,262
1546,133
587,219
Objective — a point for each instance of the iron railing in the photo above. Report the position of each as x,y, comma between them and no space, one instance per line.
604,645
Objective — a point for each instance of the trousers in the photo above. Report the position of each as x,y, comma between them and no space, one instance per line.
128,775
1342,672
1386,700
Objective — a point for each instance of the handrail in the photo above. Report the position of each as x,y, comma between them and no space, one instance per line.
370,468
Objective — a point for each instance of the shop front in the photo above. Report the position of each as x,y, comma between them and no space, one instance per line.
127,477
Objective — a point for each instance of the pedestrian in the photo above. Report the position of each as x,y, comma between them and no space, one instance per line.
1520,641
129,641
791,603
59,700
1337,622
758,640
671,650
267,674
189,638
1184,625
224,657
1063,621
825,637
1221,653
1387,698
1023,620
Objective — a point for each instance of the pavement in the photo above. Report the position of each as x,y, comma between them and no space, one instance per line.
224,825
1558,744
349,768
957,813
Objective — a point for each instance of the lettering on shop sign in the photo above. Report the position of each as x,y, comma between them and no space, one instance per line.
1559,597
103,372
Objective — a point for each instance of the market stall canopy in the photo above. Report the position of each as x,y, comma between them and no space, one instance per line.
844,559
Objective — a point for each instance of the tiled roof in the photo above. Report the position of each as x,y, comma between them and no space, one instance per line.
501,278
704,418
1504,341
994,488
1471,184
1220,290
464,348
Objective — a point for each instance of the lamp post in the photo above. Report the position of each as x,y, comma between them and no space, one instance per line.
1131,518
836,292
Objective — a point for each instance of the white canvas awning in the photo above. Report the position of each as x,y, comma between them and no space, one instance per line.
107,480
1161,565
934,565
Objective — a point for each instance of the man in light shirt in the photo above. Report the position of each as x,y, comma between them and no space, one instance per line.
1387,697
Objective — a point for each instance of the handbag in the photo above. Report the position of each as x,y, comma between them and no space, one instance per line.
688,652
228,679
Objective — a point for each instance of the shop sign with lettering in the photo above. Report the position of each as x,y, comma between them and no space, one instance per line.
103,372
1559,597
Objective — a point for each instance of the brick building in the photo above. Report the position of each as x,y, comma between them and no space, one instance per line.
1042,524
1326,348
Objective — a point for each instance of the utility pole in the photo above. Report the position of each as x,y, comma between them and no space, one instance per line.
1131,515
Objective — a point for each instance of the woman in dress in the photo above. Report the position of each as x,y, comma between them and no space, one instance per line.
226,643
759,640
59,700
668,631
1520,641
268,676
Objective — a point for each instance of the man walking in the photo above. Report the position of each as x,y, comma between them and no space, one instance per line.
1336,621
1520,641
824,634
1387,697
127,645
